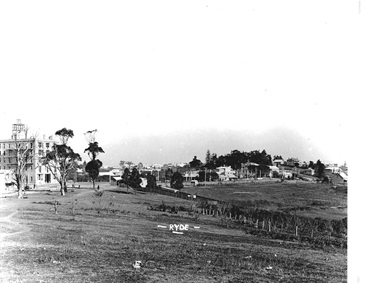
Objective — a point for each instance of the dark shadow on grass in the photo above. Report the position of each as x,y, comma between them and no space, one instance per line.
121,192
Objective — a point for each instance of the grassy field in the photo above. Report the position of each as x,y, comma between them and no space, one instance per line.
84,237
308,199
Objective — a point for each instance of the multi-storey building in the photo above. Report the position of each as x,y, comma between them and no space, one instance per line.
12,154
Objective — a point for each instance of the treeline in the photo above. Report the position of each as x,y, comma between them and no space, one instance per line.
235,159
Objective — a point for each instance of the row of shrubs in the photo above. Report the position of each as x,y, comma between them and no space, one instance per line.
167,208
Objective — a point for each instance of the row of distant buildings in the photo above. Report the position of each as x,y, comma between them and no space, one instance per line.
36,174
280,168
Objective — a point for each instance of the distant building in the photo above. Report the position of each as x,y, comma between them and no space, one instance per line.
36,174
273,170
226,173
332,168
308,171
344,168
6,179
293,162
191,174
278,162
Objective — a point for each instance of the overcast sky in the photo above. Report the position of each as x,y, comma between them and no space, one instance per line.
156,71
185,76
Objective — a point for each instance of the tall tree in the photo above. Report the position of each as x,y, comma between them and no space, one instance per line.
151,181
208,157
319,167
23,155
311,165
93,166
62,159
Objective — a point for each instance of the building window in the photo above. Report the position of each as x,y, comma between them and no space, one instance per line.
47,144
40,152
40,144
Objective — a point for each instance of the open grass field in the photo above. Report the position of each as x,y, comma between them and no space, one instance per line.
84,237
307,199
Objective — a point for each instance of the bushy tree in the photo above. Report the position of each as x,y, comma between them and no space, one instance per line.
195,163
177,181
135,178
125,176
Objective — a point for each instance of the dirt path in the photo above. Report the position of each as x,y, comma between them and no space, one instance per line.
9,227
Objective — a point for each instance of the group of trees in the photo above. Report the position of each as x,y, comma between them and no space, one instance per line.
133,178
235,159
60,161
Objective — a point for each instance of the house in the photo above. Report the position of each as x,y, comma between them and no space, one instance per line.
191,174
273,170
308,171
286,171
115,180
332,168
293,162
226,173
278,162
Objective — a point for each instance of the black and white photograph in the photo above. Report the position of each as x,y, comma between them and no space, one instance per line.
187,141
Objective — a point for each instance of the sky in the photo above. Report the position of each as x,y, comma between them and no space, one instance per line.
163,81
136,71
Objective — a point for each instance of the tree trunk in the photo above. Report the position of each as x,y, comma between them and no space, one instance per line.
20,187
20,194
62,191
93,184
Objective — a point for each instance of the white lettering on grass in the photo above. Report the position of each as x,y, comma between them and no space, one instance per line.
179,227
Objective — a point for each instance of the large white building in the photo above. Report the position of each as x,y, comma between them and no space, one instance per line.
36,174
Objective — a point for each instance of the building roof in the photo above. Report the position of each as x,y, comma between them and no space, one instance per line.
275,168
252,164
